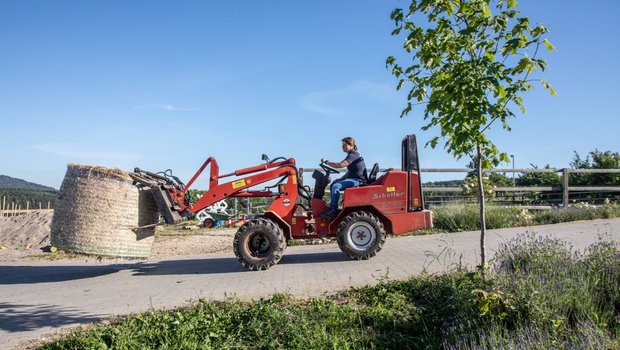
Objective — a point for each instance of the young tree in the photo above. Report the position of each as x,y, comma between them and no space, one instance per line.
471,62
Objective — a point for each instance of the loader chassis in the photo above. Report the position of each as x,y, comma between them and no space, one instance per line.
390,204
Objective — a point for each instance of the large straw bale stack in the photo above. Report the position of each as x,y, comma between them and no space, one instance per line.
97,210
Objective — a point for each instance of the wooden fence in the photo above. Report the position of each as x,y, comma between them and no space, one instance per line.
12,209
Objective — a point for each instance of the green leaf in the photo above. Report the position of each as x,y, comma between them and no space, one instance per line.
512,3
548,45
433,142
502,91
548,87
486,10
504,158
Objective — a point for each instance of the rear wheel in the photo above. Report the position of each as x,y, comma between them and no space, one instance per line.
259,244
361,235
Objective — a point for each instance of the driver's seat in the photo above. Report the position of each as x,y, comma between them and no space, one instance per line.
372,177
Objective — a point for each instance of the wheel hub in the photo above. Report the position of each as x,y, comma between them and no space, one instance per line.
259,244
362,235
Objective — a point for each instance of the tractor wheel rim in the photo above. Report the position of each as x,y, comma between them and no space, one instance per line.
259,244
361,235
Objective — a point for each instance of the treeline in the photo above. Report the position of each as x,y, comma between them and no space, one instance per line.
28,198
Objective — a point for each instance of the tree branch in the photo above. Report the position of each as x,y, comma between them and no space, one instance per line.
505,103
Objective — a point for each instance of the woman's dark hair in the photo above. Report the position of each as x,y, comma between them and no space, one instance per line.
350,141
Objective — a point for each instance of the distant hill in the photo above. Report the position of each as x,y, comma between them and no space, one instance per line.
11,183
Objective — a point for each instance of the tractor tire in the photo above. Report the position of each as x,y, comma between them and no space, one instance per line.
361,235
259,244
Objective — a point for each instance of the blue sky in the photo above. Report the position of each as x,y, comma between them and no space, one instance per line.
163,84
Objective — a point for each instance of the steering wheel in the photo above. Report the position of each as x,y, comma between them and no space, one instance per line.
329,169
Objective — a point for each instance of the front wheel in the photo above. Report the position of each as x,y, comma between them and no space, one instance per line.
361,235
259,244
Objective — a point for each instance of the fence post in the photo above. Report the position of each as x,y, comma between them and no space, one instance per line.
565,187
235,210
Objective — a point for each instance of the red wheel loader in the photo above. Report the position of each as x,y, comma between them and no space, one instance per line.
389,204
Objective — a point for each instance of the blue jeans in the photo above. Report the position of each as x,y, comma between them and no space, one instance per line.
340,185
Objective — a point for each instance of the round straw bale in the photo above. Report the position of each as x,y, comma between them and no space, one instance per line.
97,211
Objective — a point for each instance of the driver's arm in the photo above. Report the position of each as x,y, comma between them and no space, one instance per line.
342,164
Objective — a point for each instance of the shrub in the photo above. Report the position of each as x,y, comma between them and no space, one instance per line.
558,290
466,217
578,211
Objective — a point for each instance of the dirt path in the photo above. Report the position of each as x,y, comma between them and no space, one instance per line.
27,237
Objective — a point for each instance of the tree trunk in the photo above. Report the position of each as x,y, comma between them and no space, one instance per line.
483,225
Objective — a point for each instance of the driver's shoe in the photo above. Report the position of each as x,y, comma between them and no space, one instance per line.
330,214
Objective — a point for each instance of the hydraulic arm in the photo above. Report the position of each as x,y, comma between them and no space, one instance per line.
174,202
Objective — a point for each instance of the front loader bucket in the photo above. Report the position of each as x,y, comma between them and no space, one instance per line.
165,205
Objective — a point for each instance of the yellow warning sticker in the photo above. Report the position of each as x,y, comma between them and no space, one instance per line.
391,189
238,183
294,221
294,180
416,202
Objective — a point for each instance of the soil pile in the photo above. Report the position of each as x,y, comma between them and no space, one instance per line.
27,229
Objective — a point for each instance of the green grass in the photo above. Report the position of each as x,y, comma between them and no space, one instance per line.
465,217
540,294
